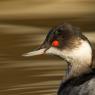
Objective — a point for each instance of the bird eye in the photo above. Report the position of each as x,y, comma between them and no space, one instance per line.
55,43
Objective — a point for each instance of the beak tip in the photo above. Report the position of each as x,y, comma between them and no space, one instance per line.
24,55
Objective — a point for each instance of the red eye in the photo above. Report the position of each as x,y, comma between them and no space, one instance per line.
55,43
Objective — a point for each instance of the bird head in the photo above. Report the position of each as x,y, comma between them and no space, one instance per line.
67,42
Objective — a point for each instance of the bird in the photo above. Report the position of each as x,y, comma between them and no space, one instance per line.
70,44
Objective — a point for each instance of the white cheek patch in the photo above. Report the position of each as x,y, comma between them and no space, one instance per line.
81,54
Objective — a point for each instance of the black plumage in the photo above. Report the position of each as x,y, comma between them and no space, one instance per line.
80,85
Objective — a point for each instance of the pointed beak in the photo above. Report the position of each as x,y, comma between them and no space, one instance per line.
36,52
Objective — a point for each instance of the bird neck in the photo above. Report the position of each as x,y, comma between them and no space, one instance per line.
77,70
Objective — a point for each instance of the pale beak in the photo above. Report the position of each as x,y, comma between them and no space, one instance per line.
36,52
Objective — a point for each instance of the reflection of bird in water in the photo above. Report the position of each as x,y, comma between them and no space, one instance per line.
70,44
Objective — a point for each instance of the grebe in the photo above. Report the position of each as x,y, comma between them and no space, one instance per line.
67,42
